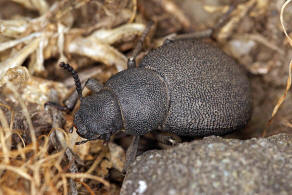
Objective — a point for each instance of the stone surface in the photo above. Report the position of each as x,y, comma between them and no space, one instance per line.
215,166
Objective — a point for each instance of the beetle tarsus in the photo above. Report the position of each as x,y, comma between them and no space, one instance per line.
57,106
132,60
131,152
87,140
82,142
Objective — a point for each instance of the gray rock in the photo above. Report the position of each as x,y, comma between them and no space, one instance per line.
215,166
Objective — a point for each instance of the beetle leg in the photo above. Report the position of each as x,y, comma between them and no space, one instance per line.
209,33
131,152
194,35
132,60
57,106
167,138
94,85
91,84
70,102
87,140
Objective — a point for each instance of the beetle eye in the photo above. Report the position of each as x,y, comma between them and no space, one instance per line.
82,131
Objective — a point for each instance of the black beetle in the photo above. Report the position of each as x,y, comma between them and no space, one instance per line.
186,87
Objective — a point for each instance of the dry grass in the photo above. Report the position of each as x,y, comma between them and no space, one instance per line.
33,169
51,163
288,83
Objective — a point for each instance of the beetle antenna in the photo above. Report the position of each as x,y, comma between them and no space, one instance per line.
75,77
87,140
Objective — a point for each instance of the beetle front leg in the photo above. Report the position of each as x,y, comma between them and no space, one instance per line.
132,60
57,106
131,152
69,103
93,85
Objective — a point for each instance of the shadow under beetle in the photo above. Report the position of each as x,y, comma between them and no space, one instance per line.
186,87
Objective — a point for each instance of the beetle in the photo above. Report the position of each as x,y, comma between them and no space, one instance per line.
189,88
186,87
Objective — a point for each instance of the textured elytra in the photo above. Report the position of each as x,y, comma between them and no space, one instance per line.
209,92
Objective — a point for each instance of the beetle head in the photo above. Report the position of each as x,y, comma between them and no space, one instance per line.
98,117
